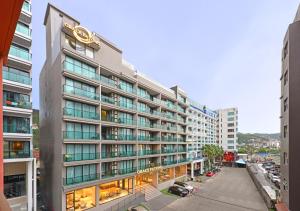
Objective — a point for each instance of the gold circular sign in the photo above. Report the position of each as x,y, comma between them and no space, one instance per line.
82,34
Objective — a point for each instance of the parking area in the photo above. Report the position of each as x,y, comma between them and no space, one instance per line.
230,190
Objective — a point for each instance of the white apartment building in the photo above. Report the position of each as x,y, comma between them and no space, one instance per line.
227,129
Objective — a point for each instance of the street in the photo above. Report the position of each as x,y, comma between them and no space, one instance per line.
231,190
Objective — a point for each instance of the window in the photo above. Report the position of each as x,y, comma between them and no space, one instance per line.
77,174
230,113
230,141
230,130
15,185
79,47
230,147
230,136
285,104
80,68
127,87
230,119
285,131
285,78
285,158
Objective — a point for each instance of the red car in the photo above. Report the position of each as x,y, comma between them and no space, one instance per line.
210,174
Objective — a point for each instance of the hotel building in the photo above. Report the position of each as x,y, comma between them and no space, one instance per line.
19,164
290,116
105,129
227,127
201,130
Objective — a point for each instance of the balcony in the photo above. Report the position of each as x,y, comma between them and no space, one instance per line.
151,165
169,162
126,121
105,155
119,137
169,139
80,92
149,111
20,53
81,179
169,128
148,152
168,116
78,135
113,83
23,30
113,173
148,138
181,139
164,151
16,128
81,114
16,77
13,154
80,156
181,150
17,103
125,89
26,7
148,125
126,105
183,160
80,70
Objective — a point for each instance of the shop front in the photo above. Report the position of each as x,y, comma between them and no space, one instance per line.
81,199
116,189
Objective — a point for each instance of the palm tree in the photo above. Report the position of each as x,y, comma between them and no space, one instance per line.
209,152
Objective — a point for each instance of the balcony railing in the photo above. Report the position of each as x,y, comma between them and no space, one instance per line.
150,165
70,157
169,128
81,114
126,121
174,150
148,152
81,135
119,137
16,77
181,150
148,138
131,90
148,125
24,30
81,179
19,53
118,154
148,111
70,67
126,105
168,116
169,139
183,160
17,104
169,162
83,93
15,128
17,154
180,139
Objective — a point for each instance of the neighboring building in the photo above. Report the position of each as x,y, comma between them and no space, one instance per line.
105,129
19,164
227,127
202,130
290,116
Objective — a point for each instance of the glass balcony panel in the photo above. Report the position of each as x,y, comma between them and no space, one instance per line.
76,91
23,29
81,135
80,157
16,77
17,154
81,114
80,179
26,6
19,53
71,67
16,128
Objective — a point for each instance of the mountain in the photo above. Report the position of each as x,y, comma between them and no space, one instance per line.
245,137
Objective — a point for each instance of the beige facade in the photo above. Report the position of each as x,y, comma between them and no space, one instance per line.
103,125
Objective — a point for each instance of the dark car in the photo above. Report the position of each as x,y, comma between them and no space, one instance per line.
179,191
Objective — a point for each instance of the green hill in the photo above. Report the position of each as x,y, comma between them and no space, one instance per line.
245,137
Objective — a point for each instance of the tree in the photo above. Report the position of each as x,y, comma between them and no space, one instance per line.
212,152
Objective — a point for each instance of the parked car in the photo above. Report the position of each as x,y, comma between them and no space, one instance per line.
185,185
210,174
179,191
275,178
277,184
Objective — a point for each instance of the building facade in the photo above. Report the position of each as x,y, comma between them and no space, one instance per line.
19,164
290,116
201,130
106,129
227,127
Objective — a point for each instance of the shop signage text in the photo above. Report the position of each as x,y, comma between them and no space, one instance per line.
82,34
149,169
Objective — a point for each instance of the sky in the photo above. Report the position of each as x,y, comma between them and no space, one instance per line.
222,53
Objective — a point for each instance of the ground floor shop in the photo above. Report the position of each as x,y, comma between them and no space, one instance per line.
109,193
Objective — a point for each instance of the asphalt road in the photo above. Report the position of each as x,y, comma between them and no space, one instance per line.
230,190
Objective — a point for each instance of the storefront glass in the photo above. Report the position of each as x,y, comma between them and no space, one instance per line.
180,171
116,189
165,175
81,199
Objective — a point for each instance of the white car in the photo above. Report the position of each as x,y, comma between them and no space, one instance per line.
185,185
275,178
